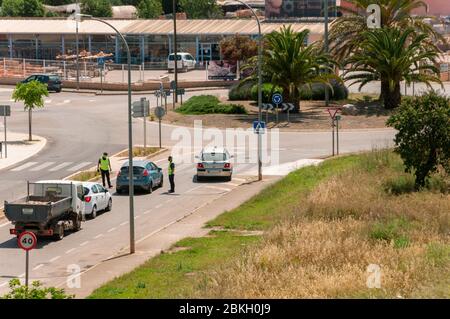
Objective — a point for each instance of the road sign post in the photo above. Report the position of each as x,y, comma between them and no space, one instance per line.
141,108
338,118
159,113
334,123
288,107
5,110
173,87
277,99
27,241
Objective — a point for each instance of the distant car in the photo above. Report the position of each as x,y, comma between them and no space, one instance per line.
214,162
146,176
96,198
185,62
53,81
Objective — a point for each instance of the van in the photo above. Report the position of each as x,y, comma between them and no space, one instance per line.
185,62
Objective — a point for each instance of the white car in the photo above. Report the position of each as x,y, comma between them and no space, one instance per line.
96,198
185,62
214,162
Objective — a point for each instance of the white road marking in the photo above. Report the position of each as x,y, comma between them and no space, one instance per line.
112,229
219,188
232,184
136,217
91,100
124,223
158,206
58,167
21,275
169,200
42,166
24,166
239,179
48,101
193,189
79,166
5,224
54,259
38,266
3,284
84,244
70,250
98,236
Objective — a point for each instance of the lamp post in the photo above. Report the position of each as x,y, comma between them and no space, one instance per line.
259,86
77,10
175,49
325,10
130,129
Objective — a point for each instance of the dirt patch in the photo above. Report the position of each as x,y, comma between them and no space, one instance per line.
313,116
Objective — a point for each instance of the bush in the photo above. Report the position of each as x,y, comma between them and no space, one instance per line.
35,291
209,104
268,90
240,92
423,138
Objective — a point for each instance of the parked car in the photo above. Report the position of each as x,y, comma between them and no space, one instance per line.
96,198
185,62
53,81
146,176
214,162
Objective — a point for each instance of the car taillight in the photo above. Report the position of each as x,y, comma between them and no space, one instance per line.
145,173
227,165
200,165
87,199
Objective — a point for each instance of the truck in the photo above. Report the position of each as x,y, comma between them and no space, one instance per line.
49,209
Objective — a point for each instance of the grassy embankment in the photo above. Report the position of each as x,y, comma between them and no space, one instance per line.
322,226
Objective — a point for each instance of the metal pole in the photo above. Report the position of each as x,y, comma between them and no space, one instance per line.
77,51
160,133
123,74
6,143
327,93
27,260
175,54
101,78
337,136
145,124
332,133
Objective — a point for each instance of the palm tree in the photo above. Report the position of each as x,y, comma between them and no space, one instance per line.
393,55
346,32
290,63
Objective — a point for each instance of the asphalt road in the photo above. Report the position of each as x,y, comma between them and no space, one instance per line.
79,127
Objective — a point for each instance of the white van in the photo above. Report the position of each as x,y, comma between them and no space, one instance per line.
185,62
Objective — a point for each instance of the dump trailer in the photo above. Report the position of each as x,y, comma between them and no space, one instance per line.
49,209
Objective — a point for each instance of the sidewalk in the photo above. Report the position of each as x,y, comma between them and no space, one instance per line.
19,148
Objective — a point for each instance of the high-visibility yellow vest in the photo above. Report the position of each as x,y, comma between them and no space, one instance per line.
104,164
171,169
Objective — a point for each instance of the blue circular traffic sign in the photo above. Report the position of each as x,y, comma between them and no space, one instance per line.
277,98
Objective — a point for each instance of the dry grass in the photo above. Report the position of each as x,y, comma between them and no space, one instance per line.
348,222
140,151
85,176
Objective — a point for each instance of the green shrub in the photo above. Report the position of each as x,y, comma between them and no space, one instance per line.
400,185
209,104
240,92
392,231
268,90
35,291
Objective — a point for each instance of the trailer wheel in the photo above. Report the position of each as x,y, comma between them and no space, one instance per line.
59,234
76,223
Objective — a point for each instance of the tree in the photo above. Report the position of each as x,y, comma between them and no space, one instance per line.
22,8
423,138
36,291
31,94
393,55
346,32
238,48
96,8
150,9
200,9
290,63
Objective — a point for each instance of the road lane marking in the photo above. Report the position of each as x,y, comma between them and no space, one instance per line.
239,179
169,200
85,243
98,236
3,284
54,259
58,167
136,217
24,166
79,166
192,189
70,250
148,212
5,224
158,206
124,223
42,166
48,101
232,184
38,266
112,229
219,188
21,275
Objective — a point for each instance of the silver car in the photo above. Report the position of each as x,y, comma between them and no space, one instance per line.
214,162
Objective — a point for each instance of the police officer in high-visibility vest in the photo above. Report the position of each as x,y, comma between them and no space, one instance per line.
171,171
104,166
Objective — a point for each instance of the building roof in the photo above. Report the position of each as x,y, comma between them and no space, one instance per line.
153,27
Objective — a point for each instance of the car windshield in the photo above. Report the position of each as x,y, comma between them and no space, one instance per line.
214,157
171,57
54,78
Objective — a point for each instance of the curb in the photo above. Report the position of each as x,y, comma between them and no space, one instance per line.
33,154
113,93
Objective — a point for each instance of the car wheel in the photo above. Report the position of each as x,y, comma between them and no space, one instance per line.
150,188
118,191
161,183
94,212
228,179
60,232
109,207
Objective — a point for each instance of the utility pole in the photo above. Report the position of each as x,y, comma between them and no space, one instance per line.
175,54
325,11
77,46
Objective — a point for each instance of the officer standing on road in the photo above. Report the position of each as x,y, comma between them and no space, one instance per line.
171,171
104,165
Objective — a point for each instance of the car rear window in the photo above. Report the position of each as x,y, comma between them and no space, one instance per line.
214,157
54,78
137,170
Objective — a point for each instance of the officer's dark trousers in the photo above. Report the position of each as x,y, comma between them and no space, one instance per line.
105,174
172,182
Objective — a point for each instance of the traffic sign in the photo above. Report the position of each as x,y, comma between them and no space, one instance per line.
27,240
288,106
167,92
5,110
159,112
259,127
277,98
101,62
141,108
267,106
181,91
338,117
157,93
172,85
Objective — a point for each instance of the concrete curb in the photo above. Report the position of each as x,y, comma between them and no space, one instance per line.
114,93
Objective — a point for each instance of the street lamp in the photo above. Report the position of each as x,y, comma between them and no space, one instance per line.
175,50
327,92
77,10
82,17
259,86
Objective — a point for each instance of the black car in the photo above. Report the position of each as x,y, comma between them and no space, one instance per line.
53,81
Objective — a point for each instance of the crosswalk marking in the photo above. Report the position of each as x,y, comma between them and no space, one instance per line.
79,166
24,166
42,166
58,167
219,188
